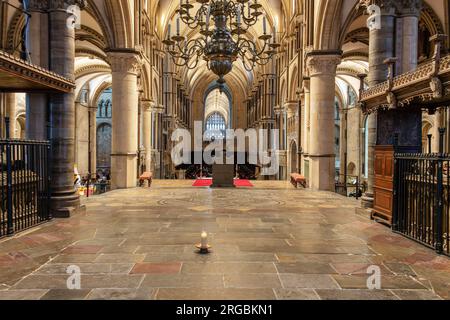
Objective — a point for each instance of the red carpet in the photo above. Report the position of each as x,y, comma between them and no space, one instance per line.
240,183
208,182
202,183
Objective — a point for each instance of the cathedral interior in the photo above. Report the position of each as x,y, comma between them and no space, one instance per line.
93,91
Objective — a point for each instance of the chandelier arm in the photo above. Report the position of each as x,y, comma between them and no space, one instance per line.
193,21
179,64
244,62
193,66
251,46
250,20
249,69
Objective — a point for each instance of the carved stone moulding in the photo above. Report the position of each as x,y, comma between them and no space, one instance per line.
43,5
124,61
323,62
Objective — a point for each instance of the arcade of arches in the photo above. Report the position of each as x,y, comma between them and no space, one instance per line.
129,96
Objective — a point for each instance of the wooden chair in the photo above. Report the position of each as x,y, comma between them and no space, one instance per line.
146,176
297,179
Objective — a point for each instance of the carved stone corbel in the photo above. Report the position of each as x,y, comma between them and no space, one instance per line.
390,96
435,82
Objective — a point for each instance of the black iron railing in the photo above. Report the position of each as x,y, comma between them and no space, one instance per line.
25,185
349,186
421,198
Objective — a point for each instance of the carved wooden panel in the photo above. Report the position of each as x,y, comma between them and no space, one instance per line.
383,184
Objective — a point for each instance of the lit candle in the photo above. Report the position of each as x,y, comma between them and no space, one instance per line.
274,34
168,36
178,25
204,243
249,9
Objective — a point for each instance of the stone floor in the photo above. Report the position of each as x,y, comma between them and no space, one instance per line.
269,242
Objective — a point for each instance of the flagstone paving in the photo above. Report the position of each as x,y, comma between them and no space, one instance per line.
269,242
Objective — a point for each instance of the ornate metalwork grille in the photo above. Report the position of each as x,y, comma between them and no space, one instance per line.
421,199
25,185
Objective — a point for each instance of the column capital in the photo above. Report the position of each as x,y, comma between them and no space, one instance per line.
387,7
323,62
126,62
42,5
291,108
410,7
147,105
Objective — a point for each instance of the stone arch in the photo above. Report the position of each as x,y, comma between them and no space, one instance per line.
427,127
292,94
155,91
21,125
121,22
14,37
93,10
429,17
283,93
328,25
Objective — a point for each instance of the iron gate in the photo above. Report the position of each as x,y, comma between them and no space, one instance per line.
421,199
25,185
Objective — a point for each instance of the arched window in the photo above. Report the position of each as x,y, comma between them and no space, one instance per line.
215,126
100,108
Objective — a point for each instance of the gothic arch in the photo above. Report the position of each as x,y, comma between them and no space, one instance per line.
15,29
93,10
293,79
121,22
328,25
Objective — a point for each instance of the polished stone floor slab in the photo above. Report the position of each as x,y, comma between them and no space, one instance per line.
269,242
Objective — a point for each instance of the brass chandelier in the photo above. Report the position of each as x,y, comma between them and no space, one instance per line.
226,42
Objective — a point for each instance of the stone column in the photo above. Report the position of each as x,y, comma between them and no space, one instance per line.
82,137
147,133
37,103
11,105
93,140
125,66
382,43
306,120
410,33
62,105
381,47
322,70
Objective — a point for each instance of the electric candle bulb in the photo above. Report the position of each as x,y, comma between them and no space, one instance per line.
169,31
204,242
178,25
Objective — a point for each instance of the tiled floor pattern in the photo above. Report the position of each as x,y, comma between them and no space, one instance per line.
269,242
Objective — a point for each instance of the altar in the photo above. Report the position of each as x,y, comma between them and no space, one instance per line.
223,175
